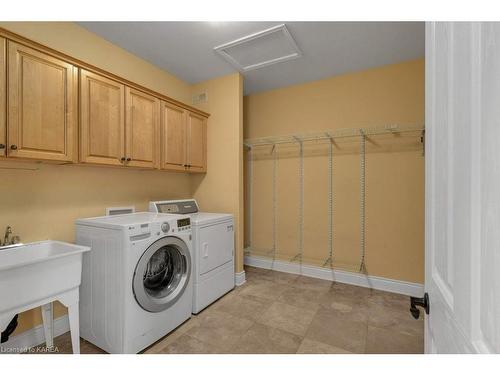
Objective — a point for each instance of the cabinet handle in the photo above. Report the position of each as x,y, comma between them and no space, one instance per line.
13,147
2,146
128,159
122,158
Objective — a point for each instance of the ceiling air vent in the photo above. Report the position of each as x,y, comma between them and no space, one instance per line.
261,49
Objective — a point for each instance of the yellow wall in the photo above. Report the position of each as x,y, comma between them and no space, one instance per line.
221,189
44,203
395,170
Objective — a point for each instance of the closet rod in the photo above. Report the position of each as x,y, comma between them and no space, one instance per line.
333,134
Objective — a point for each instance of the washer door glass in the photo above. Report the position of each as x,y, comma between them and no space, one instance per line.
162,274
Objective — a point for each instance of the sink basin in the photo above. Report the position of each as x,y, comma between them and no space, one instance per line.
34,271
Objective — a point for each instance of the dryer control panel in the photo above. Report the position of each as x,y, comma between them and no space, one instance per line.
188,206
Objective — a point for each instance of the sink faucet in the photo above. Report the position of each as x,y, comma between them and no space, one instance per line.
8,232
7,240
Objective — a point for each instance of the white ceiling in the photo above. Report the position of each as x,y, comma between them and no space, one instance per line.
185,49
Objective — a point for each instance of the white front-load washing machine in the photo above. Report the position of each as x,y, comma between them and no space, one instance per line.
213,249
136,279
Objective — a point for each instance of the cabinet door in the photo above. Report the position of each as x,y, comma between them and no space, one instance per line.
173,137
102,116
42,107
142,129
197,143
3,100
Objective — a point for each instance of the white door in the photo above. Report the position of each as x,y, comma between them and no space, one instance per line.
462,246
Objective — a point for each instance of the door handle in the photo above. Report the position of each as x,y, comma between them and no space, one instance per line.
422,302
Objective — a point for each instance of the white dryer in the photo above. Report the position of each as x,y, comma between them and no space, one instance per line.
136,280
213,248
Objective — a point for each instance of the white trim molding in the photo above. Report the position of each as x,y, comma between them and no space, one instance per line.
346,277
240,278
33,337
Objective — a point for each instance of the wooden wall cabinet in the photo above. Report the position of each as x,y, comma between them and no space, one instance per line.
56,108
142,129
173,137
183,139
119,125
3,97
42,105
196,142
102,120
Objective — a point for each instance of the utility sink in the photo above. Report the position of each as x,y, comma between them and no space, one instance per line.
22,255
32,271
37,274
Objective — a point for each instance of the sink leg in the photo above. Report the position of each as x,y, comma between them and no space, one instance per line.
48,324
70,300
74,327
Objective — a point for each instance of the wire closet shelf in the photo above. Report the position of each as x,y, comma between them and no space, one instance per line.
333,134
330,136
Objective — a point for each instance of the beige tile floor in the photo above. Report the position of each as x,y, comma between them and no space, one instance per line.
275,312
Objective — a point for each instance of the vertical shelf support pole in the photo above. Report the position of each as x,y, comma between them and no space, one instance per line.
362,267
329,260
275,201
250,196
300,253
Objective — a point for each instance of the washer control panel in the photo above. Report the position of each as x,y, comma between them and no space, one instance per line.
162,227
184,224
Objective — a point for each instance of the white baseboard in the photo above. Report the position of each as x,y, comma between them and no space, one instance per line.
346,277
240,278
34,336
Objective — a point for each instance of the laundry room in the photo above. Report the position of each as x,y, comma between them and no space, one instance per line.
192,186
